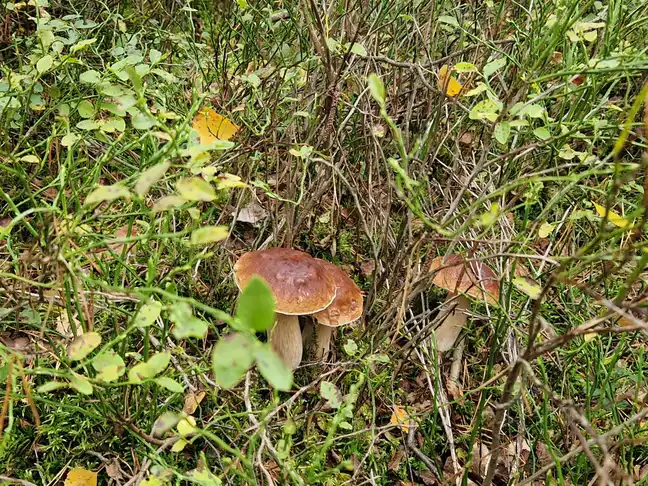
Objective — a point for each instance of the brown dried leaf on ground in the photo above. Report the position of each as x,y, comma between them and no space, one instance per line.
192,401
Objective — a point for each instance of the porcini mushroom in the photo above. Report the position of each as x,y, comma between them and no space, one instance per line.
461,278
300,286
345,308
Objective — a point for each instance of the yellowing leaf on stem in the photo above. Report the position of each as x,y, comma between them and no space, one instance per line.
447,82
545,229
211,126
81,477
612,217
401,418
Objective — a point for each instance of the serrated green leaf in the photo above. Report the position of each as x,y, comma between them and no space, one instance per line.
256,306
273,369
331,394
209,234
169,384
83,345
81,384
195,189
232,357
107,193
148,314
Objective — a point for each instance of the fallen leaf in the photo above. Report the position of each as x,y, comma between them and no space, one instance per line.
545,229
252,213
612,217
577,79
466,139
113,470
480,458
192,400
401,418
212,127
449,83
396,459
123,233
81,477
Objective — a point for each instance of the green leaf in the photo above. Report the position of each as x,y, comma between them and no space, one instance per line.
165,422
69,139
83,345
273,369
484,110
533,111
256,306
191,327
169,384
150,177
542,133
142,121
80,384
359,49
350,347
113,124
154,366
44,64
82,45
209,234
154,56
90,77
168,202
87,125
465,67
502,132
195,189
109,365
528,287
331,394
148,314
86,109
50,386
494,66
376,88
135,78
232,357
107,193
447,19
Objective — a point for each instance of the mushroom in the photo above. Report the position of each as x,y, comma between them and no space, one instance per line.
300,286
457,276
345,308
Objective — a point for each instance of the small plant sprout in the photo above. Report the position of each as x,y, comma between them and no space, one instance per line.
461,279
345,308
300,285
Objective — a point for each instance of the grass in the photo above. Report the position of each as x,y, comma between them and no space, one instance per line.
549,385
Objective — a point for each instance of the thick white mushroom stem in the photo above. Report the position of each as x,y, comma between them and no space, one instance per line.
286,340
455,320
323,341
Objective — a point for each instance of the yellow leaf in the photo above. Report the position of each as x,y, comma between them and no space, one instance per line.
449,83
179,446
528,287
401,418
545,230
211,126
612,217
81,477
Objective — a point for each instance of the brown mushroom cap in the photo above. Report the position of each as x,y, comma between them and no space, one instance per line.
347,305
472,278
299,282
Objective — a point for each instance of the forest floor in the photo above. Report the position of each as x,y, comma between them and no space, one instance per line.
146,145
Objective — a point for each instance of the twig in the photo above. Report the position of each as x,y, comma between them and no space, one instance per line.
16,481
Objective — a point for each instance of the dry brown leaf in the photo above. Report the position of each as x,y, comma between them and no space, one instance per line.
480,458
367,267
123,232
113,470
252,213
192,401
454,389
396,460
